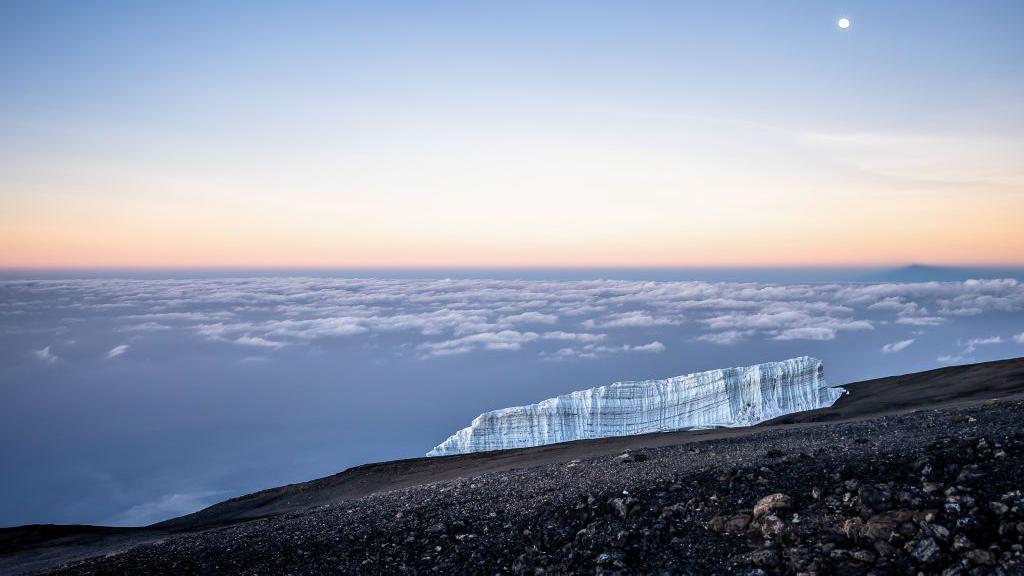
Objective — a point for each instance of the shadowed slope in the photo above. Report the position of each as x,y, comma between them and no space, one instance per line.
39,547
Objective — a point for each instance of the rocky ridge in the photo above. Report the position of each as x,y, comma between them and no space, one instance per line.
931,492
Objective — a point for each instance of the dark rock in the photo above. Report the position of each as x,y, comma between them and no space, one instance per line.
878,528
884,549
609,557
962,542
873,498
863,556
983,557
937,531
926,550
621,506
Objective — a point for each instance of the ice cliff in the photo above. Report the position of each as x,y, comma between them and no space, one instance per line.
718,398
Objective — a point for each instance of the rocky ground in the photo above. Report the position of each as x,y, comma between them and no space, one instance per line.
931,492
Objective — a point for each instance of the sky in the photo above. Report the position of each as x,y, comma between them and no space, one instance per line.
129,401
221,134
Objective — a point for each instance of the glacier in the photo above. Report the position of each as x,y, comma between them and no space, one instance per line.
728,397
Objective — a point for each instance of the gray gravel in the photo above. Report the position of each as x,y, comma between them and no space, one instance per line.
934,492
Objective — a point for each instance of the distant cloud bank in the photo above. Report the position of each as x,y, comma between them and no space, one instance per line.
552,319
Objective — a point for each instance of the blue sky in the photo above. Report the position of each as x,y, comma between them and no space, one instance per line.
513,134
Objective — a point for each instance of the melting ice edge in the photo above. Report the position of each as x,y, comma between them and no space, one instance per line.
728,397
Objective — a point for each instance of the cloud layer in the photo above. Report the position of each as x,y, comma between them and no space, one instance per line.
567,319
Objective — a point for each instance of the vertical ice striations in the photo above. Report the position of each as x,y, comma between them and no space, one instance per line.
717,398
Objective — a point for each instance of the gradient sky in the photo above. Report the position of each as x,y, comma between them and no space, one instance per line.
510,134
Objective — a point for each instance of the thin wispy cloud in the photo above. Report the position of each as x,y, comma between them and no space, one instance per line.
726,338
590,351
45,355
920,320
117,351
898,346
257,341
973,343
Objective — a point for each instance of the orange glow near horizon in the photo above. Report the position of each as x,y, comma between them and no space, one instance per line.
850,236
873,201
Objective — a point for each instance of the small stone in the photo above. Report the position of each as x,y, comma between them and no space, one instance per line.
717,523
609,557
968,475
622,506
884,549
772,503
863,556
878,528
937,531
926,550
729,524
998,508
435,528
772,526
983,557
872,498
853,527
839,554
738,523
962,542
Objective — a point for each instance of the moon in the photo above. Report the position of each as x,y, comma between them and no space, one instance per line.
843,23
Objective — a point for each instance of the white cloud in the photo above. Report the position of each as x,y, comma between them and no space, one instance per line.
950,359
897,346
807,333
1019,338
145,327
268,312
634,319
596,351
257,341
649,347
45,355
574,336
727,338
529,318
973,343
920,320
504,340
117,351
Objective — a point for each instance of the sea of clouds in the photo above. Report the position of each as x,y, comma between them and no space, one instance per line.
551,319
128,401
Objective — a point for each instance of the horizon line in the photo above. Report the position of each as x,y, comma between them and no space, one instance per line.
213,267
